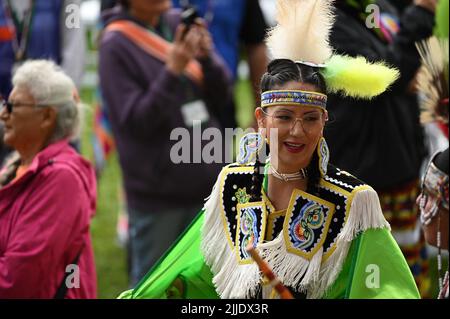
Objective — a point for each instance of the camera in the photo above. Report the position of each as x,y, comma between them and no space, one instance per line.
188,17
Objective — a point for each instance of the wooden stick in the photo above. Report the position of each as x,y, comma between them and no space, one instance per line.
268,273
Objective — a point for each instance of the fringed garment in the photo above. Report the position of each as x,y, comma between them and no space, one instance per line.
334,245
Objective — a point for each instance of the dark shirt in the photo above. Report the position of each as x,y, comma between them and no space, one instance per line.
380,141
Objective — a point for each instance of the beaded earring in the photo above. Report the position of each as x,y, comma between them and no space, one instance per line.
249,145
324,156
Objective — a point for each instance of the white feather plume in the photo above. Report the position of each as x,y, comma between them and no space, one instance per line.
302,31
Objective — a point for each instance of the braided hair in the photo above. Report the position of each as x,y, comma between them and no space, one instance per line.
313,176
257,180
282,71
279,72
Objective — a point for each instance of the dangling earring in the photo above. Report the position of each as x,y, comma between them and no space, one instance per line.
249,145
324,156
266,137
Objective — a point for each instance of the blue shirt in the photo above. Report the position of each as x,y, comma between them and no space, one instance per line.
225,27
44,41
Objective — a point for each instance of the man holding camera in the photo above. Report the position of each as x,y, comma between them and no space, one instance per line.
238,29
158,74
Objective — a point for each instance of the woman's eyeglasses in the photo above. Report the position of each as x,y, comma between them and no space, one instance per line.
286,120
10,105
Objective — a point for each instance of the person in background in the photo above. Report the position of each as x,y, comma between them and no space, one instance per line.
432,83
232,23
381,141
47,190
235,25
40,29
433,203
158,75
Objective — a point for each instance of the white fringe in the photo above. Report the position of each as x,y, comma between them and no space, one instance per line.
316,277
231,279
292,270
330,270
365,213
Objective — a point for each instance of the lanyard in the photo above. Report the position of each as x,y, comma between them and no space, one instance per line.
19,45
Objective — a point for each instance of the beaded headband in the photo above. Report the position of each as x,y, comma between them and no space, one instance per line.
293,97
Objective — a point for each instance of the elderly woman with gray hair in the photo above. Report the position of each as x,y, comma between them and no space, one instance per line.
47,191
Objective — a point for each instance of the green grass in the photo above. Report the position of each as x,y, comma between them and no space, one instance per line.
244,103
110,258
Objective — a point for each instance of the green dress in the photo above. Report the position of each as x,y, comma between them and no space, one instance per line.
335,245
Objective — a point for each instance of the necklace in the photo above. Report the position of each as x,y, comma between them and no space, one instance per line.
302,174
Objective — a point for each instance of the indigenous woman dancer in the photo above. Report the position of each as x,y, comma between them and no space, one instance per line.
320,229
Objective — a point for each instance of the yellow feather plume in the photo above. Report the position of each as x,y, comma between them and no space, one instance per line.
357,77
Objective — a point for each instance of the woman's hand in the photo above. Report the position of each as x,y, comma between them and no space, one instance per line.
185,47
193,43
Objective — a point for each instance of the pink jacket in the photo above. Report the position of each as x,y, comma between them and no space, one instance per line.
44,224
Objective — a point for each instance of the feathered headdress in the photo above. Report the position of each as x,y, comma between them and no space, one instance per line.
302,35
433,75
432,80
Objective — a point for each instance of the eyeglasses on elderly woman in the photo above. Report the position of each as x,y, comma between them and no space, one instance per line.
10,105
